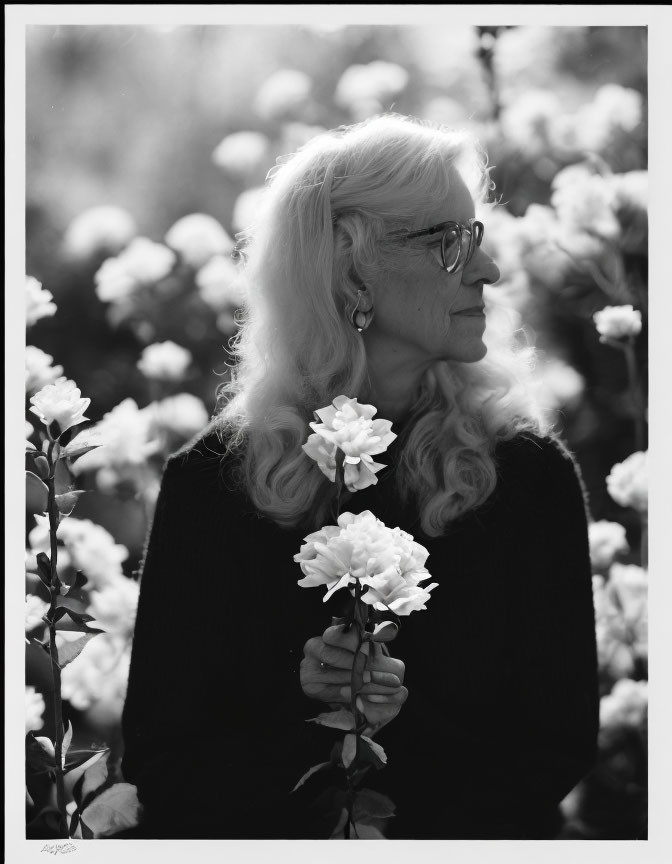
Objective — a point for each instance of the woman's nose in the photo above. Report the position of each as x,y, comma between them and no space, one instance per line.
481,268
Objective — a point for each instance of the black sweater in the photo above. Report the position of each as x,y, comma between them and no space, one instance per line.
502,715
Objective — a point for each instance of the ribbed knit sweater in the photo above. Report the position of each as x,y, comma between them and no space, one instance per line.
502,714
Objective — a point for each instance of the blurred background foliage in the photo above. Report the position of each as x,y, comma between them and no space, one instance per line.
147,120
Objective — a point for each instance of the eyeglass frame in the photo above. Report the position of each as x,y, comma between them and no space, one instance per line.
474,242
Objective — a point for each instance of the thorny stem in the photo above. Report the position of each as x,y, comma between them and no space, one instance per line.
53,650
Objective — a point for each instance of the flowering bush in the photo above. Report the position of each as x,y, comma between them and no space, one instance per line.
142,262
607,539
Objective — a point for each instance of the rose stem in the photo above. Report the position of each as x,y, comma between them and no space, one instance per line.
53,650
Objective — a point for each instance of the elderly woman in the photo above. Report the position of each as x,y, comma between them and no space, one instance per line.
365,276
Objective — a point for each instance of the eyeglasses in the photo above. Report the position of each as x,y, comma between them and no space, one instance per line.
458,242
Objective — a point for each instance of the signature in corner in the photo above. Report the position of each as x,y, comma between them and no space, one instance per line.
58,848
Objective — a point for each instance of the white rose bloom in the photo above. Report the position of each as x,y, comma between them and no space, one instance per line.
99,673
197,238
607,539
38,301
166,361
585,201
618,322
348,426
104,228
62,402
626,705
365,89
628,482
361,548
219,284
247,206
39,370
526,121
34,710
35,609
284,92
142,262
124,433
183,414
242,153
115,605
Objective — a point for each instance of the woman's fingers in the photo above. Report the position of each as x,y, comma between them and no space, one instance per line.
337,649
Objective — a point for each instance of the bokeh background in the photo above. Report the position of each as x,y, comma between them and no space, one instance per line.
145,148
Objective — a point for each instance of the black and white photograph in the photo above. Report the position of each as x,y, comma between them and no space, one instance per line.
338,360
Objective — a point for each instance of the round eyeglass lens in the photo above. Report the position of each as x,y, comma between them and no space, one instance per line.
450,246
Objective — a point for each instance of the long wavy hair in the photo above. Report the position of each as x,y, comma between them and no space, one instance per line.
321,229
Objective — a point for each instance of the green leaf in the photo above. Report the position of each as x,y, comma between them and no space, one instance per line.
44,568
87,833
349,751
75,773
385,632
54,430
80,621
340,719
115,809
74,450
310,772
38,761
68,651
37,463
67,501
67,739
372,752
37,494
372,805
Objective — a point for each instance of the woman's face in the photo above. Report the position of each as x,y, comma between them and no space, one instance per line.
426,313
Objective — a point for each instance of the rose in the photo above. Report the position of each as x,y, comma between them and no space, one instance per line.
165,360
197,238
242,152
39,370
61,402
38,301
349,427
364,88
628,482
607,539
617,322
363,549
106,228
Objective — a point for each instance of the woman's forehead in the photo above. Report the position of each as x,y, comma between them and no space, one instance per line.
457,205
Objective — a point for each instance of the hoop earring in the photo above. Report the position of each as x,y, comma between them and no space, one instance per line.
360,319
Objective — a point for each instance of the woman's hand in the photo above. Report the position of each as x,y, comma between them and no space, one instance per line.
326,669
